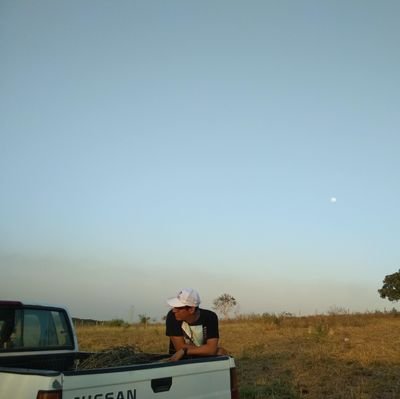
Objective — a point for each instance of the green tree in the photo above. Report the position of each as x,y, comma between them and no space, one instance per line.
391,287
224,304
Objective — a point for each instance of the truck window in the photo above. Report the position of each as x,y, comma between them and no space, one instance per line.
7,324
32,328
61,329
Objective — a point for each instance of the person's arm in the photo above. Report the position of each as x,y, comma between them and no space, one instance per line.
178,342
210,348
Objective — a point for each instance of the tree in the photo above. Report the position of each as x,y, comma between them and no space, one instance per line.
391,287
144,319
224,304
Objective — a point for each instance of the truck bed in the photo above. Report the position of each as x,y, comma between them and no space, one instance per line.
208,376
65,362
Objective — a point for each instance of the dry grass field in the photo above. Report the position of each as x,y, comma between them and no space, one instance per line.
341,356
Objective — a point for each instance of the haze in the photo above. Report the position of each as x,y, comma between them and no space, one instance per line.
148,146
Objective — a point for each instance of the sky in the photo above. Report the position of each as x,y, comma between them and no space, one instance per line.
240,147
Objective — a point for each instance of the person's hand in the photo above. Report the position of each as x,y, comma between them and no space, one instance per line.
178,355
222,351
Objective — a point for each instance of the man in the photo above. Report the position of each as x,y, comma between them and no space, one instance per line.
192,331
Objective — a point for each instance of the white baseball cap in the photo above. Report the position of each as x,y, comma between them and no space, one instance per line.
185,297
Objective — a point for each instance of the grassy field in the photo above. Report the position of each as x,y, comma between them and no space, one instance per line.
337,356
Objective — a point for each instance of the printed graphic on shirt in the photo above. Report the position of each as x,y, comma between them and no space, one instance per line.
193,334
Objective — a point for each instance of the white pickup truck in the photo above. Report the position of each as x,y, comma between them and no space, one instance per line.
39,359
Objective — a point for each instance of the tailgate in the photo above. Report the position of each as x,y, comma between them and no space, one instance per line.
200,378
23,383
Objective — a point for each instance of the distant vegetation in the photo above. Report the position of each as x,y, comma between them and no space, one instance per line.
391,287
85,322
224,304
90,322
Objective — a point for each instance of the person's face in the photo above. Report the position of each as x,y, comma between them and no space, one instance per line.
183,312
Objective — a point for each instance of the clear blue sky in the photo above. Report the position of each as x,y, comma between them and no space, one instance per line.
149,145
